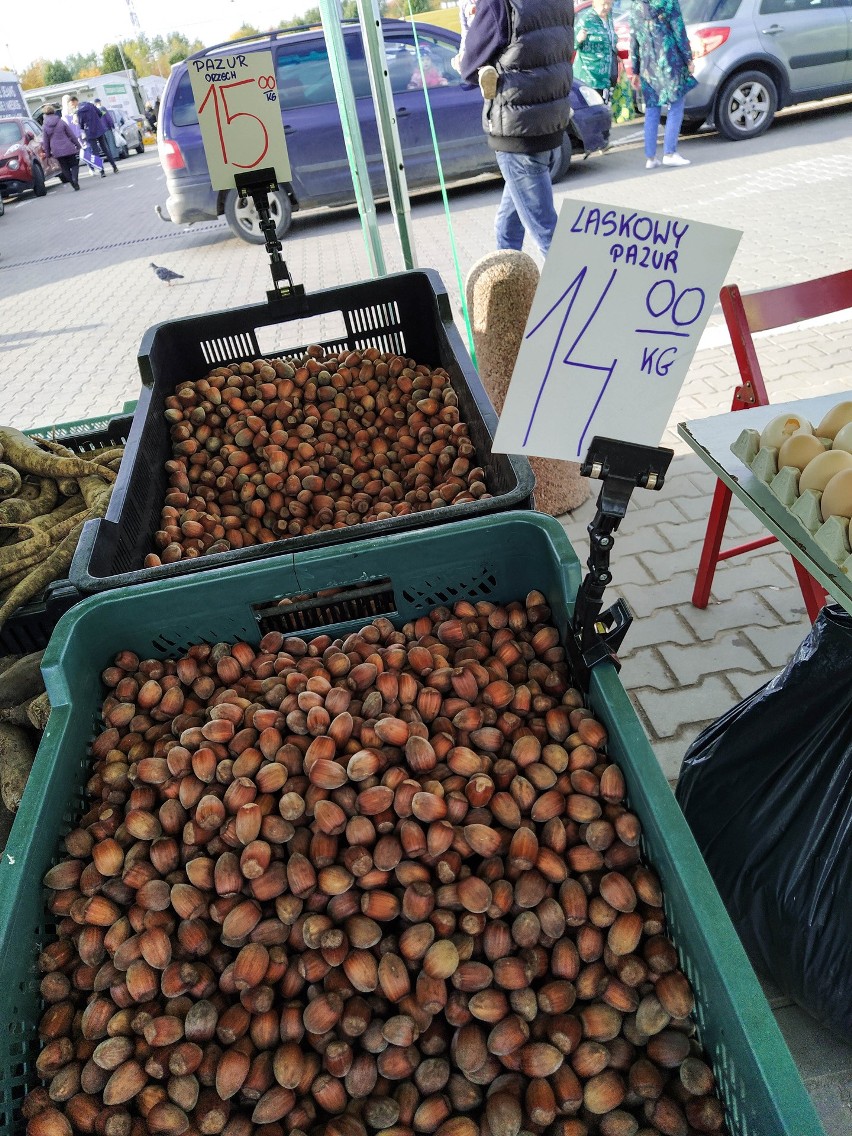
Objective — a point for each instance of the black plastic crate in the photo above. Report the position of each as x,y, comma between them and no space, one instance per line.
30,628
408,313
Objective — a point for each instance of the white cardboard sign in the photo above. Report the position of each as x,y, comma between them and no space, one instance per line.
239,115
623,298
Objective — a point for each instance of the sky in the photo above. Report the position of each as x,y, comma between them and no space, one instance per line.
64,27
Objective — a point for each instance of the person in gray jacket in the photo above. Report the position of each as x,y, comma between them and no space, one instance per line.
520,53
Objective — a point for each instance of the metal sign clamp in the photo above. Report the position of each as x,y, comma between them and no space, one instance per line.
621,467
258,185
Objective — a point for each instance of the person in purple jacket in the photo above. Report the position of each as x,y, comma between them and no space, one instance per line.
519,51
92,125
60,142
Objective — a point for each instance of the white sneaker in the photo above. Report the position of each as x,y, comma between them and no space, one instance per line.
488,81
652,163
674,160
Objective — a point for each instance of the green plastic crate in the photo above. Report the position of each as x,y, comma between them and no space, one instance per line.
498,558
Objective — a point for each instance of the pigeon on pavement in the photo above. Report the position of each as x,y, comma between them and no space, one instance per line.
166,274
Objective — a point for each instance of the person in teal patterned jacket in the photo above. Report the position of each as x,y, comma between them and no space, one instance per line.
662,65
594,38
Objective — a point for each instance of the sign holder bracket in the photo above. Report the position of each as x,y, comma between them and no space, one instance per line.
621,467
258,185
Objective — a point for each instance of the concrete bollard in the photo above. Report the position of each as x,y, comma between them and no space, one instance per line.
499,290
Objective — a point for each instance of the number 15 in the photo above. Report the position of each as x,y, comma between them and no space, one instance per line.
231,118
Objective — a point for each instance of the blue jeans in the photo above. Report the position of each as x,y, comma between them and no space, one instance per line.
527,202
674,118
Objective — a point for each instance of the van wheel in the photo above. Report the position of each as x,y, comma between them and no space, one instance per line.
39,188
563,165
140,149
244,222
747,106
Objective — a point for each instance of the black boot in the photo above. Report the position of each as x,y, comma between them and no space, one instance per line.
75,184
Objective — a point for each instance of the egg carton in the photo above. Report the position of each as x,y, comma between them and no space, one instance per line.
832,535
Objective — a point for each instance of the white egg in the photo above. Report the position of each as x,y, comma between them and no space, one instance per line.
837,496
838,417
843,438
776,432
799,450
818,472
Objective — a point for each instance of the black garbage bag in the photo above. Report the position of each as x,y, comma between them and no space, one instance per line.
767,792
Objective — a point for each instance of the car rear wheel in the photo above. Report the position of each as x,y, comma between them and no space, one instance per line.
244,221
2,207
140,149
563,166
39,188
747,106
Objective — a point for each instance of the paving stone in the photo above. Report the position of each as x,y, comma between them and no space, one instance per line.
664,627
645,601
639,541
816,1052
729,651
646,667
748,573
776,645
746,684
745,610
670,753
671,711
788,604
682,534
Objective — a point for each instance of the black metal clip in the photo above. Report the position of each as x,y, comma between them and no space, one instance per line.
622,467
258,185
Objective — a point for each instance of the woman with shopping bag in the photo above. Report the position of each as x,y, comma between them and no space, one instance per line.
60,142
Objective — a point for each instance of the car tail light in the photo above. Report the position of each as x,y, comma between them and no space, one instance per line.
705,40
171,157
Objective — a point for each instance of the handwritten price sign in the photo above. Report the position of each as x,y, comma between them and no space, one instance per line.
623,299
240,115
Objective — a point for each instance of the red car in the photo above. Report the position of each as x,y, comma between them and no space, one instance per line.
23,164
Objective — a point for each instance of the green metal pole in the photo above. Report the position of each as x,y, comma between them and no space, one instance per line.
330,16
377,65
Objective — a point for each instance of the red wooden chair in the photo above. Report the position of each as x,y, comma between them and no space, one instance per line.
744,315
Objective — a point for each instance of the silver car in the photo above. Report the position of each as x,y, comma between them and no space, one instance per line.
753,57
128,136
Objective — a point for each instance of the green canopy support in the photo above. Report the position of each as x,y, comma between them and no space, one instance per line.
330,16
377,66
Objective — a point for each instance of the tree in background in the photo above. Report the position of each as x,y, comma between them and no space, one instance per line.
245,30
33,76
112,60
57,72
312,16
78,63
